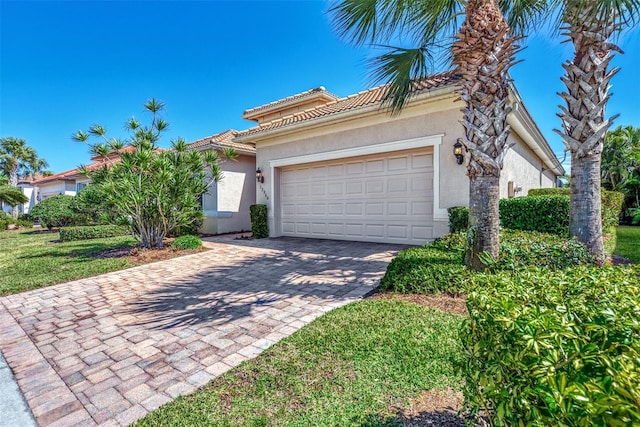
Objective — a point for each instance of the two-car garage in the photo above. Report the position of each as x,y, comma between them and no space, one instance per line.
385,197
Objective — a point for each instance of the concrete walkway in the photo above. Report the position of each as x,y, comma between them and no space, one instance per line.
109,349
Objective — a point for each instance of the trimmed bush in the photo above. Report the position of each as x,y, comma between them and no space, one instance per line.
612,202
458,218
562,347
438,268
4,221
70,234
57,211
545,214
259,224
23,223
187,241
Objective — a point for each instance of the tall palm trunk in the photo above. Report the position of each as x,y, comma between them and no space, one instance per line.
587,80
483,54
13,181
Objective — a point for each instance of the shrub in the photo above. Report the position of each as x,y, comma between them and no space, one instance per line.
187,241
458,218
546,214
520,249
57,211
69,234
561,347
259,224
4,221
23,223
612,202
426,270
438,267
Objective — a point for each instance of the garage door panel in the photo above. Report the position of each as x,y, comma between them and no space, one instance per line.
379,198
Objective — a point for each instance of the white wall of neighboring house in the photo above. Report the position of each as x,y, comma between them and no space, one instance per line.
29,191
55,188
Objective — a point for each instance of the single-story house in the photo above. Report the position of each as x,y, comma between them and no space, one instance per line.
344,168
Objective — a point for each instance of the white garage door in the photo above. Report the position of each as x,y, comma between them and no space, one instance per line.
379,198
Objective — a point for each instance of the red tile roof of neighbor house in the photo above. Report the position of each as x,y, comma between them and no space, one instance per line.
362,99
318,93
223,139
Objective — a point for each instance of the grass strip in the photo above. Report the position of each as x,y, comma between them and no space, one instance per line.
357,365
33,259
628,243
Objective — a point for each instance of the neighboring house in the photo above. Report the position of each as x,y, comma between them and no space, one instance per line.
226,203
67,183
344,168
25,184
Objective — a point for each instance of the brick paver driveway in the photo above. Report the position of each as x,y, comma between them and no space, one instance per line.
109,349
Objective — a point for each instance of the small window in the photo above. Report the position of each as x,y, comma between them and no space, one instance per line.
80,186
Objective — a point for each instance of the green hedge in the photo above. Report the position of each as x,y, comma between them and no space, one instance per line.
545,214
560,347
458,218
438,268
57,211
69,234
259,224
187,241
612,202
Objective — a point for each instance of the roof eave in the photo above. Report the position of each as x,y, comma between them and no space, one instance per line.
343,115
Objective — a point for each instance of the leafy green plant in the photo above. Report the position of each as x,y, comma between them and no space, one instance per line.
259,224
57,211
23,223
69,234
458,218
437,267
187,241
554,347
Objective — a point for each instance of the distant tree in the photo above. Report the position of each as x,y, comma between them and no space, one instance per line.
157,190
18,159
12,196
620,169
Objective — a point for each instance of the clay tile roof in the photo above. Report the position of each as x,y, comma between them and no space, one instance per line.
318,92
224,139
362,99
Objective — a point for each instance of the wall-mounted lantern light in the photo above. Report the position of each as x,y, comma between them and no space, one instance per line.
457,151
259,176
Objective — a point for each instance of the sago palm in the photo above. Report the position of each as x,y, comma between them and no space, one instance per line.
483,51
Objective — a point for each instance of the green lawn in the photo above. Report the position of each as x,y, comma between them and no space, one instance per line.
355,366
33,259
628,243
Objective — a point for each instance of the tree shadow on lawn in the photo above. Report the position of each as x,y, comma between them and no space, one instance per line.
258,282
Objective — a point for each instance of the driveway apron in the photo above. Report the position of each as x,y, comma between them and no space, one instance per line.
109,349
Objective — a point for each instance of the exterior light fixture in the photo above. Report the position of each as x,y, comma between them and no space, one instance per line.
259,176
458,152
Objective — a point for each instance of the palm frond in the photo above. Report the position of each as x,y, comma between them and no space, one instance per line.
401,67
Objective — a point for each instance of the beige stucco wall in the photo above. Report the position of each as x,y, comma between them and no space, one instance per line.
427,119
226,204
524,169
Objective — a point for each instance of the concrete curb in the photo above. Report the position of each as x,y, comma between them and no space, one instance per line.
13,408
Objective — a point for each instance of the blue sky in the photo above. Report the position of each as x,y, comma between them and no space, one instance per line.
66,65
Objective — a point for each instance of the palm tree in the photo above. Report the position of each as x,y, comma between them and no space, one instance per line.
483,51
18,159
12,196
590,25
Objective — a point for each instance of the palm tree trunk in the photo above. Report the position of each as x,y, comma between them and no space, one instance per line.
483,54
586,223
587,80
13,181
483,234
